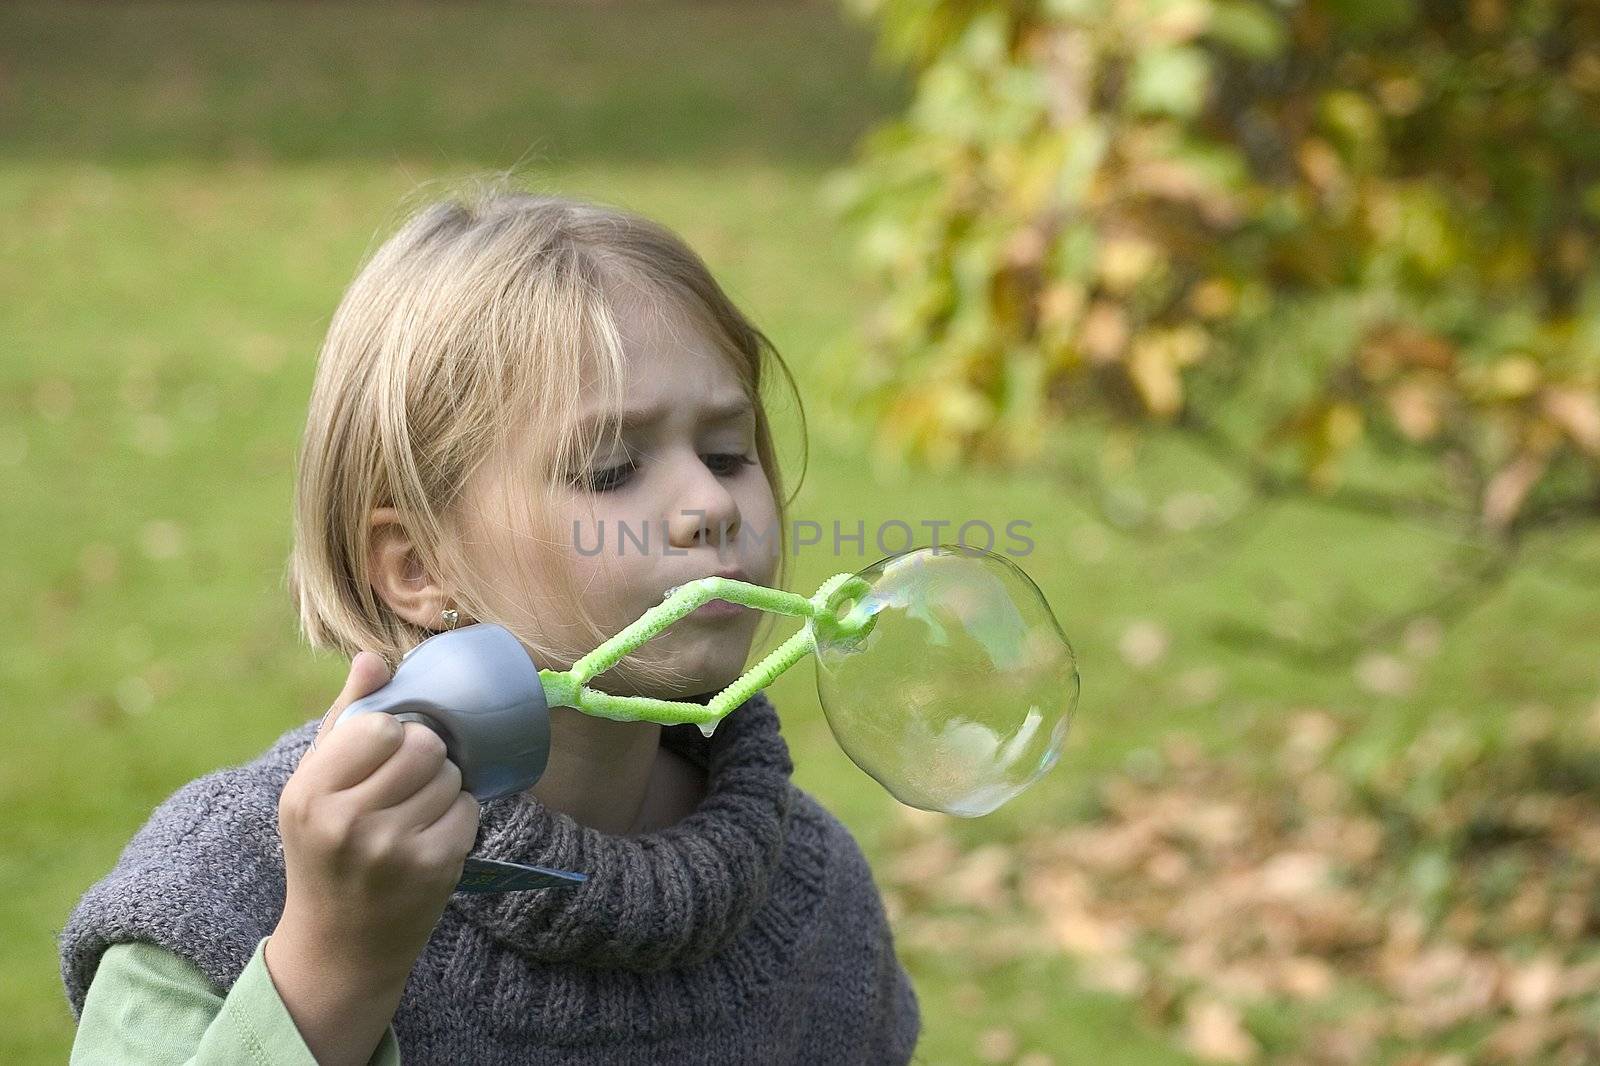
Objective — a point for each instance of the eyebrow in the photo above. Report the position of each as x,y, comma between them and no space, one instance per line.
640,417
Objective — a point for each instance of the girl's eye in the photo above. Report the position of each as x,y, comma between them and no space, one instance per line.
728,463
606,480
724,464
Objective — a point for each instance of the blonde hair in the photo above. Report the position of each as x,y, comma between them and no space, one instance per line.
471,327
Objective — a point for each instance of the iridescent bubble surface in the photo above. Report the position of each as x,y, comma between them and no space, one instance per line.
947,678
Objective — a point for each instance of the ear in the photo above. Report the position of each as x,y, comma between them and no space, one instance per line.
397,574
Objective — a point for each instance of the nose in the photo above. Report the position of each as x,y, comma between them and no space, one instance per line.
706,512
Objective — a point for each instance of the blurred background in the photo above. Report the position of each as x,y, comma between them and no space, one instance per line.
1277,321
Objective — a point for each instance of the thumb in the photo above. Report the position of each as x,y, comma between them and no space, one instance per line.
368,673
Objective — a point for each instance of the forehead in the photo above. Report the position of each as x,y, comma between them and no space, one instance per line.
671,361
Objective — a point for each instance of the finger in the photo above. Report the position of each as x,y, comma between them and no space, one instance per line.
410,766
353,752
456,830
368,673
359,752
430,802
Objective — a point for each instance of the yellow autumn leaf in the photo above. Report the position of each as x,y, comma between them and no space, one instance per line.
1417,406
1104,332
1577,412
1125,261
1513,378
1155,362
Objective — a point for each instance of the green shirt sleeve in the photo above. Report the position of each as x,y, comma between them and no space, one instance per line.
150,1007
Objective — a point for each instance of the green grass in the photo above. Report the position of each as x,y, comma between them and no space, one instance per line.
184,191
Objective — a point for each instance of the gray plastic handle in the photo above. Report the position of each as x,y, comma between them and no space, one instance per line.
477,688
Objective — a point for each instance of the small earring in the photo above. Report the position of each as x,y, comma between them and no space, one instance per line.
450,616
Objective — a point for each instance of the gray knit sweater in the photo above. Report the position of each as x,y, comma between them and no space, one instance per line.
749,932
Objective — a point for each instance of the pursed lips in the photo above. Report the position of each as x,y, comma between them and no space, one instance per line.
732,573
719,608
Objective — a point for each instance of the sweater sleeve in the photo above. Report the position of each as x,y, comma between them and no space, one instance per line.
148,1006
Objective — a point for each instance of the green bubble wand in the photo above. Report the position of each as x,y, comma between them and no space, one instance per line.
569,688
942,671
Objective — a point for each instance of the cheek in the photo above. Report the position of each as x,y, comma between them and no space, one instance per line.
604,583
567,555
760,514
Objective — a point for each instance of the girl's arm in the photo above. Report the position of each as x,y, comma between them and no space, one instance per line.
376,829
147,1005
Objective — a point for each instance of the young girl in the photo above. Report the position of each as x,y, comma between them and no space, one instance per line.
542,413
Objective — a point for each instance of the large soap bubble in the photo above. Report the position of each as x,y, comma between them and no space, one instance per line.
946,678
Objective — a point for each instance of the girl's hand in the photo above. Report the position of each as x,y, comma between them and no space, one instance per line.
376,829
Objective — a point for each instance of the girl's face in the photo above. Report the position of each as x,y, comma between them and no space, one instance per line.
681,495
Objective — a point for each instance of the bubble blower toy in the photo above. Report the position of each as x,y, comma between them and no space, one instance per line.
942,672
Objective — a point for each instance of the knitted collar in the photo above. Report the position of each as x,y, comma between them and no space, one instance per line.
654,900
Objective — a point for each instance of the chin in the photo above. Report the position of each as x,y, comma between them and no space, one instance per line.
701,677
707,662
713,657
711,680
